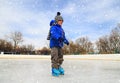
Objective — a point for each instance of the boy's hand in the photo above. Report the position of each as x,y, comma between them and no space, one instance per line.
66,42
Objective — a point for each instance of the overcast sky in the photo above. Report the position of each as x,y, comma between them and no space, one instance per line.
92,18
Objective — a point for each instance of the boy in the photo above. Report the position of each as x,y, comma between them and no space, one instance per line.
57,38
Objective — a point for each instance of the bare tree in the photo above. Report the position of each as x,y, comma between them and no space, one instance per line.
103,45
26,49
44,51
72,48
85,45
114,39
66,50
111,43
30,47
16,37
5,46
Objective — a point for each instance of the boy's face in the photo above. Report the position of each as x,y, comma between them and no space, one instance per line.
60,22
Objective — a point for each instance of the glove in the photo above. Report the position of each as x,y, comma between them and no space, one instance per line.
66,42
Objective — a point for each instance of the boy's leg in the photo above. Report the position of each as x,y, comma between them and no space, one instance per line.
55,62
54,57
60,56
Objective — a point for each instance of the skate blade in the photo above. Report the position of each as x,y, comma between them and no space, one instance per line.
55,75
61,73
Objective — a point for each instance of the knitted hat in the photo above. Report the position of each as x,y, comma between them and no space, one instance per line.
58,17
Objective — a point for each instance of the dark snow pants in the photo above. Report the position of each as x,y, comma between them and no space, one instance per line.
56,57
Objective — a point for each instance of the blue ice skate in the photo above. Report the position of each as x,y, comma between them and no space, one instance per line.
55,72
61,70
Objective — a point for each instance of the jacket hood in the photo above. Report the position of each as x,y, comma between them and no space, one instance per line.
52,22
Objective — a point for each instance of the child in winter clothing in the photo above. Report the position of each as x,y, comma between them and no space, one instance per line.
57,38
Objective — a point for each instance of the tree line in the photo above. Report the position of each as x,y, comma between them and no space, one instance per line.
106,44
10,45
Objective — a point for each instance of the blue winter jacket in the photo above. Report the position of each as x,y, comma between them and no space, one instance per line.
57,36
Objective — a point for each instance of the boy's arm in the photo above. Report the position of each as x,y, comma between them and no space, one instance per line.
48,37
66,41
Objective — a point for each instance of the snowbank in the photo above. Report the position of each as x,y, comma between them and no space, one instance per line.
69,57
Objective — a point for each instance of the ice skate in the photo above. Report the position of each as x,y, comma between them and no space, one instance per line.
61,70
55,72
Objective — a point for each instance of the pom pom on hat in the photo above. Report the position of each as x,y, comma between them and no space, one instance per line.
58,17
58,13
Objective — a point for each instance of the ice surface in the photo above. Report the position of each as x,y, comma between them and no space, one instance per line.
76,71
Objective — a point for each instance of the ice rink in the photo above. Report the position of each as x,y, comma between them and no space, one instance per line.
77,70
